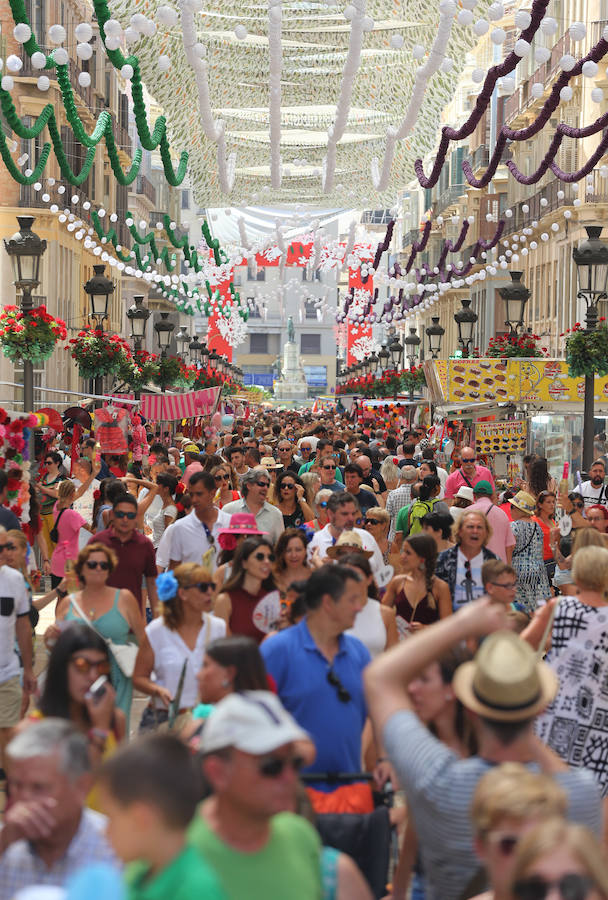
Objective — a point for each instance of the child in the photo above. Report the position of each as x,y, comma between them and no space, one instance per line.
150,791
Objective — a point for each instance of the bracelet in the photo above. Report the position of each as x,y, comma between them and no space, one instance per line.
98,737
61,594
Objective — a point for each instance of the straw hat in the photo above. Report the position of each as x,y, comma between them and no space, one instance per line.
269,462
505,682
348,541
525,502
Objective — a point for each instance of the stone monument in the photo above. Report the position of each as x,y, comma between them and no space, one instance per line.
292,382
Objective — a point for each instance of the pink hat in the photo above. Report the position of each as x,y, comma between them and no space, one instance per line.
241,523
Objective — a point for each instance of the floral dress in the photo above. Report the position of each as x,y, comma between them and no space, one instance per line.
532,580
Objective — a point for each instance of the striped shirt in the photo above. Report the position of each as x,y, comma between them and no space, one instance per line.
395,501
439,786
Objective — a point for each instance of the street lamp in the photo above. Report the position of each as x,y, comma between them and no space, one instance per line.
25,250
213,360
383,358
435,333
396,352
164,330
183,339
100,289
591,259
138,315
374,362
515,295
465,319
412,343
195,347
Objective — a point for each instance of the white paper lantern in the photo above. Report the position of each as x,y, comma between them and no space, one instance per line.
396,41
567,62
7,83
43,83
84,51
522,19
61,56
465,17
578,31
589,69
478,75
38,60
112,43
544,236
507,84
525,208
149,28
367,24
56,34
447,65
554,227
14,63
597,95
113,28
83,32
131,35
522,48
167,16
240,32
418,51
127,72
508,213
537,90
22,32
84,79
567,214
542,55
481,27
566,93
495,12
548,25
164,63
498,35
560,195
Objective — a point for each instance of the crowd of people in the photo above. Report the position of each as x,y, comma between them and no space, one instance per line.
347,643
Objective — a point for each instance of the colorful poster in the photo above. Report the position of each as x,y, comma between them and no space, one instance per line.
501,437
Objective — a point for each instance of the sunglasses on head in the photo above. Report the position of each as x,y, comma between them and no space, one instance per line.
123,514
261,557
225,477
84,665
343,695
571,887
104,565
202,586
274,766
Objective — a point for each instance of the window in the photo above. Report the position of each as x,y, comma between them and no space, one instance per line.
254,309
259,276
258,343
185,199
310,344
311,309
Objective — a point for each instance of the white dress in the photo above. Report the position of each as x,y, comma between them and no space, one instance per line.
369,627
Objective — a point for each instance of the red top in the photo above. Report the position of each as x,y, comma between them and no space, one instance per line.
546,529
248,609
136,558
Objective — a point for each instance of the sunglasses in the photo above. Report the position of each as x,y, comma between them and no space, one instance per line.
263,484
261,557
305,449
570,887
222,478
333,468
343,695
287,487
372,521
122,514
84,665
202,586
274,766
467,460
323,504
98,564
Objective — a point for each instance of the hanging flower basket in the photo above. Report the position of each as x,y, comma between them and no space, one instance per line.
139,369
169,372
509,346
30,335
389,384
98,353
587,352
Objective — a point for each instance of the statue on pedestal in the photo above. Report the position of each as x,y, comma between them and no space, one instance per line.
291,333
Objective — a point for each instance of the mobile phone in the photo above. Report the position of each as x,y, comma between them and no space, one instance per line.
97,689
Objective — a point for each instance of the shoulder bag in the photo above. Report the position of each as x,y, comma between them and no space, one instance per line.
54,532
124,654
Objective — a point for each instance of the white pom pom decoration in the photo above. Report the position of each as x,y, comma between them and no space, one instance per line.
465,17
396,41
567,62
566,93
164,62
61,56
537,90
498,35
589,69
127,72
84,51
131,35
495,12
548,25
56,34
522,19
167,16
578,31
481,27
22,32
7,83
43,83
240,32
14,63
83,32
38,60
113,28
84,79
522,48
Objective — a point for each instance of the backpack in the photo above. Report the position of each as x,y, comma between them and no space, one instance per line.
418,510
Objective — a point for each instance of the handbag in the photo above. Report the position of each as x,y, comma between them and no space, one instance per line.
54,532
124,654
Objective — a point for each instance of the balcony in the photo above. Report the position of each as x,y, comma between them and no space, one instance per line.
376,217
479,157
145,187
521,219
448,198
522,98
414,234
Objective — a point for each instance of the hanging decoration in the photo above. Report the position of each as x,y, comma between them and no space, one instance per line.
98,352
30,335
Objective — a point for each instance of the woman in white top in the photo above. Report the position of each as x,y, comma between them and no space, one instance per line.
375,624
166,486
179,637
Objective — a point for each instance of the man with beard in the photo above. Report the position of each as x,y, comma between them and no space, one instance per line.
595,491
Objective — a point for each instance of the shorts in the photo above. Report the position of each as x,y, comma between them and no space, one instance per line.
10,702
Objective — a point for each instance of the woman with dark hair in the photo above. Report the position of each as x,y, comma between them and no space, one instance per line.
226,483
166,487
231,664
291,562
47,491
539,480
439,526
113,613
375,624
419,597
179,635
249,602
109,490
545,518
290,498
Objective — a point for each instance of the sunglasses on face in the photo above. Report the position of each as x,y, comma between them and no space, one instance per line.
6,546
323,504
333,468
570,887
372,521
222,478
287,487
274,766
104,565
202,586
305,449
262,557
263,484
122,514
84,665
343,694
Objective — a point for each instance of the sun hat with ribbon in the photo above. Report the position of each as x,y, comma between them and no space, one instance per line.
269,462
524,502
348,541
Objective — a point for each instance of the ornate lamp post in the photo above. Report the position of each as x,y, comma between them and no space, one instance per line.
183,340
465,319
591,259
195,347
138,315
374,362
515,295
435,333
412,346
25,250
100,289
395,350
164,330
384,357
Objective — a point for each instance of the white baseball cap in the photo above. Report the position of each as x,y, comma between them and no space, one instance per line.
465,493
252,721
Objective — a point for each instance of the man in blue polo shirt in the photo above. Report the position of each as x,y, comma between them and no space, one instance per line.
318,671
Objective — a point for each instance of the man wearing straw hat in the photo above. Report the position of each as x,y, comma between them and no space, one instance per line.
504,688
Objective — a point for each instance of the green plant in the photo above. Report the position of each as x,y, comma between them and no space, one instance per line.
508,346
139,369
98,353
587,351
30,335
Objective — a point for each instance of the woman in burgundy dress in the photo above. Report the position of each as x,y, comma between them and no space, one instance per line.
250,601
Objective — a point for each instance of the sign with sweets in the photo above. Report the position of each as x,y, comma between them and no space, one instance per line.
511,380
501,437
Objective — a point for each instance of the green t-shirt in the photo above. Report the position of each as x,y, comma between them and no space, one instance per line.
187,877
287,867
402,524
